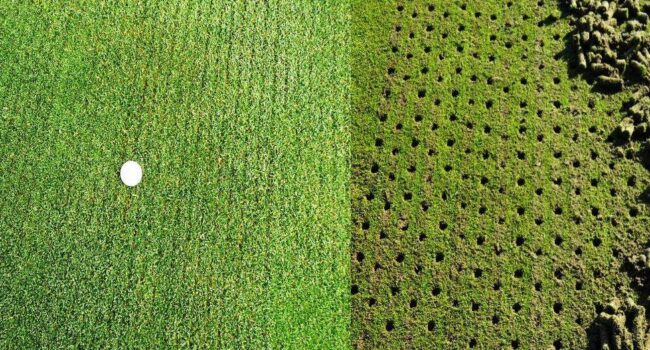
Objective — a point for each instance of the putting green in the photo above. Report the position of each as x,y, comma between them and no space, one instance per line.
237,236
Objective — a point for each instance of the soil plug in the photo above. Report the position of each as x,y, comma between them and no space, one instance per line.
613,83
626,128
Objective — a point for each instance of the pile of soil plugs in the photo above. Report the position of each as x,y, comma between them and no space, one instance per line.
612,46
623,324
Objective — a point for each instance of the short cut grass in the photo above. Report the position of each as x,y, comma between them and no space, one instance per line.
237,236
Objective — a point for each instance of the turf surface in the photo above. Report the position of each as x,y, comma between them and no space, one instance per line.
238,235
489,210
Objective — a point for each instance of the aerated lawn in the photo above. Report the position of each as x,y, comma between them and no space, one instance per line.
490,210
238,235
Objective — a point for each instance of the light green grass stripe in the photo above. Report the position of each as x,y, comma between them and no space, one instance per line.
238,235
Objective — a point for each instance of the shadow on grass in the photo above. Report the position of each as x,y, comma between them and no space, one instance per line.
594,341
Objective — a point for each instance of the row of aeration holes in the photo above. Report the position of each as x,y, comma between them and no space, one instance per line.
431,325
422,93
519,241
490,81
461,28
432,8
520,182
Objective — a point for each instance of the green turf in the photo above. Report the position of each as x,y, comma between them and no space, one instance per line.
489,211
238,235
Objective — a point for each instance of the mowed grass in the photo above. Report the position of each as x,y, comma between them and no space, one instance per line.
489,210
237,236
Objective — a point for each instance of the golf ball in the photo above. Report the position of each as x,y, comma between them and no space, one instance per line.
131,173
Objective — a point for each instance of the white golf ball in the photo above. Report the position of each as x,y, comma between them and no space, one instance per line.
131,173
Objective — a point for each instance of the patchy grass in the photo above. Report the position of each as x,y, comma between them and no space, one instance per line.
237,237
489,210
